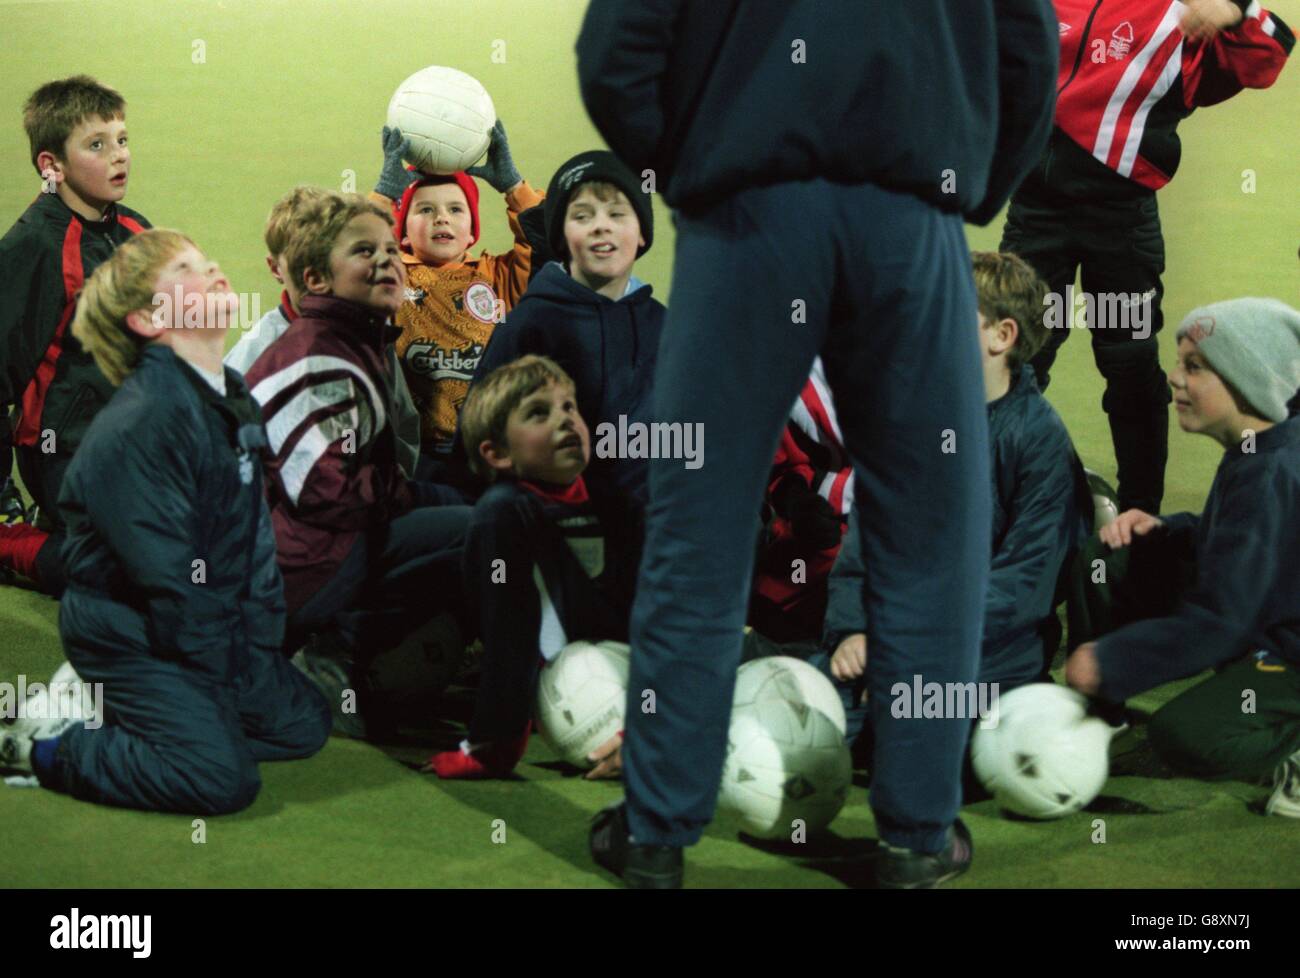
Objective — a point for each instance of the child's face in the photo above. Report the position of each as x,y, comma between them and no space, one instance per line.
1203,402
96,161
438,224
191,292
364,266
546,438
602,236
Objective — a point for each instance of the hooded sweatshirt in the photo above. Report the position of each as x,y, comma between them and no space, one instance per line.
608,347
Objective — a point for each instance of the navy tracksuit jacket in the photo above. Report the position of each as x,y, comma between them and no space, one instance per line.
608,347
175,603
1247,590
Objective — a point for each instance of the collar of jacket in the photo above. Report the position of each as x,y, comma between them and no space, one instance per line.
1282,435
1023,385
554,282
237,409
99,227
351,319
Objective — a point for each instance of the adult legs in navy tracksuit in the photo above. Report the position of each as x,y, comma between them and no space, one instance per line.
884,279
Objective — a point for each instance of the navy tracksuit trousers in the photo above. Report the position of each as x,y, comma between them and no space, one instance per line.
879,284
177,739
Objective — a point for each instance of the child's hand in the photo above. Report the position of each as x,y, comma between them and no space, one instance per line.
1082,671
850,660
609,759
1120,531
1204,19
498,170
394,177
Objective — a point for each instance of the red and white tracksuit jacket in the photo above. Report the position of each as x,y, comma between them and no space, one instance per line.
1128,76
812,450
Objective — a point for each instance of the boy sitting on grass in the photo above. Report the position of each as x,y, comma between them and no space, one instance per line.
174,602
1041,508
368,555
284,222
77,131
545,562
1238,367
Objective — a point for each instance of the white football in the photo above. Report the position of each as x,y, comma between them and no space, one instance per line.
1045,757
447,116
786,764
581,698
793,679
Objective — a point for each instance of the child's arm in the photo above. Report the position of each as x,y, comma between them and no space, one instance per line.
394,177
510,271
31,303
1249,54
1027,559
1235,567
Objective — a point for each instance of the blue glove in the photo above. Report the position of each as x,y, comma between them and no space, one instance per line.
499,169
395,177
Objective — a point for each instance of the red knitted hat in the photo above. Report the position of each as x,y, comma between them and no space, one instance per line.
461,179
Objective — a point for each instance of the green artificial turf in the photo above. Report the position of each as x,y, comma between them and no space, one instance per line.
294,92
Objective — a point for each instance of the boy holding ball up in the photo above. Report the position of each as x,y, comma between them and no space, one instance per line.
452,301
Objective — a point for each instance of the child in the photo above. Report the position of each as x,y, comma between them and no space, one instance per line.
1129,73
77,131
174,602
587,311
1041,511
452,301
1238,366
366,557
805,512
545,562
284,221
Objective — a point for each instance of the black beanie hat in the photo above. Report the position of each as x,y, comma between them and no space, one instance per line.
595,165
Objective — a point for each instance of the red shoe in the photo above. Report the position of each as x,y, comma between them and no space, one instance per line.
492,760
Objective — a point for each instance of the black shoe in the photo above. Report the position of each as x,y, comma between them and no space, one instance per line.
640,867
907,869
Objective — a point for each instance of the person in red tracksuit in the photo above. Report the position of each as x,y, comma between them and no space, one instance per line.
77,131
1130,71
806,510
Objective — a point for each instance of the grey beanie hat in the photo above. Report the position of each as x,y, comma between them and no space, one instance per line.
1253,344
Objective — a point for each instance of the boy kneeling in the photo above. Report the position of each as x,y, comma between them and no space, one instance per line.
1238,366
174,602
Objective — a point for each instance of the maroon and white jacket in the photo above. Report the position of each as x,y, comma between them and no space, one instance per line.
1128,76
327,400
